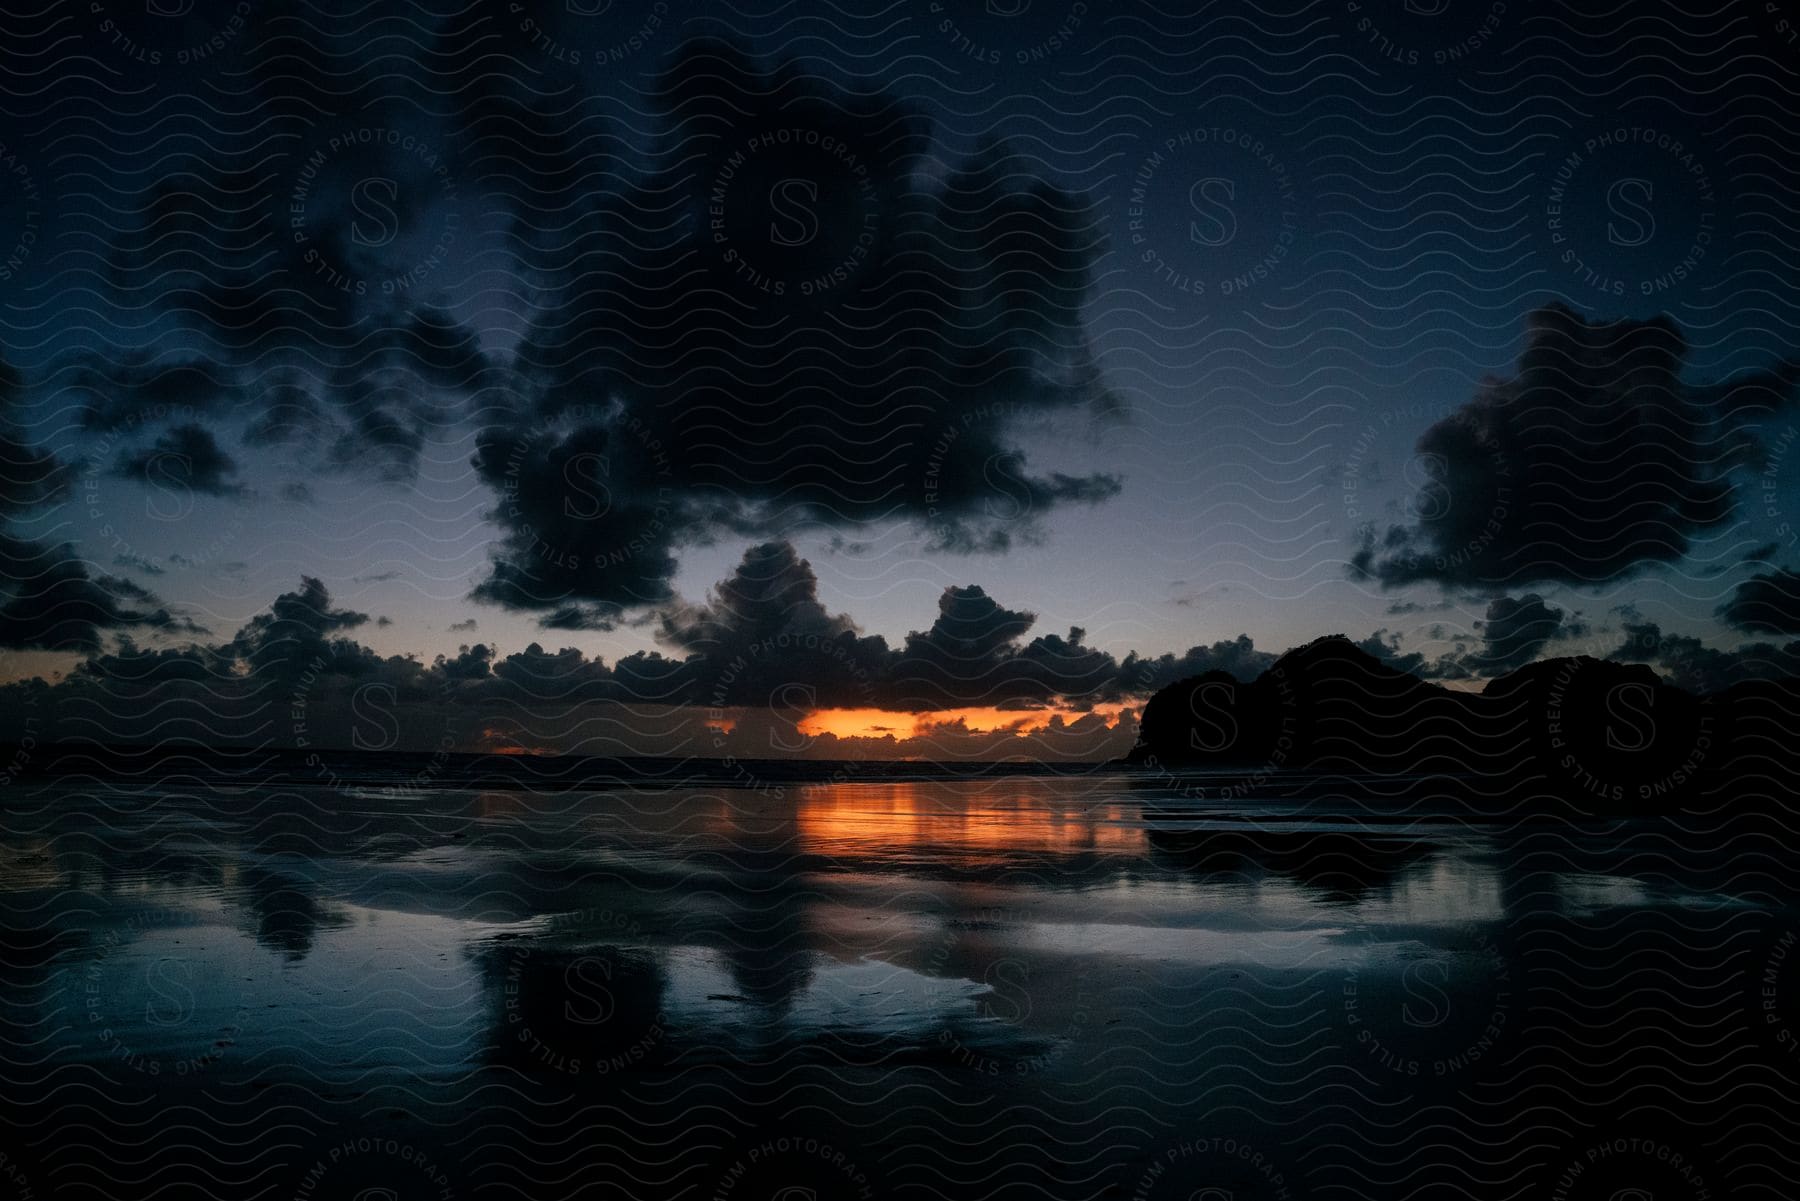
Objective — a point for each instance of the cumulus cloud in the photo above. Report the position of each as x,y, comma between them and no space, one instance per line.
1593,460
973,655
714,331
763,637
744,666
49,597
1385,645
780,322
299,634
1766,603
186,457
1235,656
1514,632
469,663
739,675
587,531
49,600
292,273
1689,663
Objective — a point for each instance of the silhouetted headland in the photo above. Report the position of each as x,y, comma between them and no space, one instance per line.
1603,736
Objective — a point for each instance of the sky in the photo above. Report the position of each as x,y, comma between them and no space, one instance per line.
1022,337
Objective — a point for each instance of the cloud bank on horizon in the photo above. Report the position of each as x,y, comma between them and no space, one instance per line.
749,674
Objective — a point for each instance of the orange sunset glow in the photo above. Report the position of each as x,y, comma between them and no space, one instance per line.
881,723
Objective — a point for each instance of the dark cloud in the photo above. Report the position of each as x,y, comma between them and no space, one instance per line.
934,322
186,457
50,601
1688,663
294,259
536,679
1766,603
30,477
1237,657
298,635
131,664
971,656
763,636
587,530
138,563
1385,645
470,663
142,387
582,617
289,677
303,270
370,407
310,278
970,626
764,629
1592,461
1515,631
1406,608
761,643
462,627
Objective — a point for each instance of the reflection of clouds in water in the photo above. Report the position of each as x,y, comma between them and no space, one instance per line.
867,996
186,993
866,1007
759,917
415,934
285,914
1343,866
588,1010
1446,890
1590,894
1197,945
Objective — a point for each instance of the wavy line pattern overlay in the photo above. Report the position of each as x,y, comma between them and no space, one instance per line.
393,806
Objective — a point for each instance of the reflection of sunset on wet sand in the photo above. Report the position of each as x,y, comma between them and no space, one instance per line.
966,825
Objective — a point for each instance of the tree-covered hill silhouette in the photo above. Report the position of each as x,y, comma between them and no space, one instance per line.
1605,736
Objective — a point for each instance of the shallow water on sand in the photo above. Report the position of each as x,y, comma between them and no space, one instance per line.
1078,986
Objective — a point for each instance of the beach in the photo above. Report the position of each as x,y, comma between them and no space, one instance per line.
1080,985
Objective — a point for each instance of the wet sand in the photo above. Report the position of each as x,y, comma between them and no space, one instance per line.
1076,987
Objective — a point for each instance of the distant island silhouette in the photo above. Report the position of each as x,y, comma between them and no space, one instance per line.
1603,736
